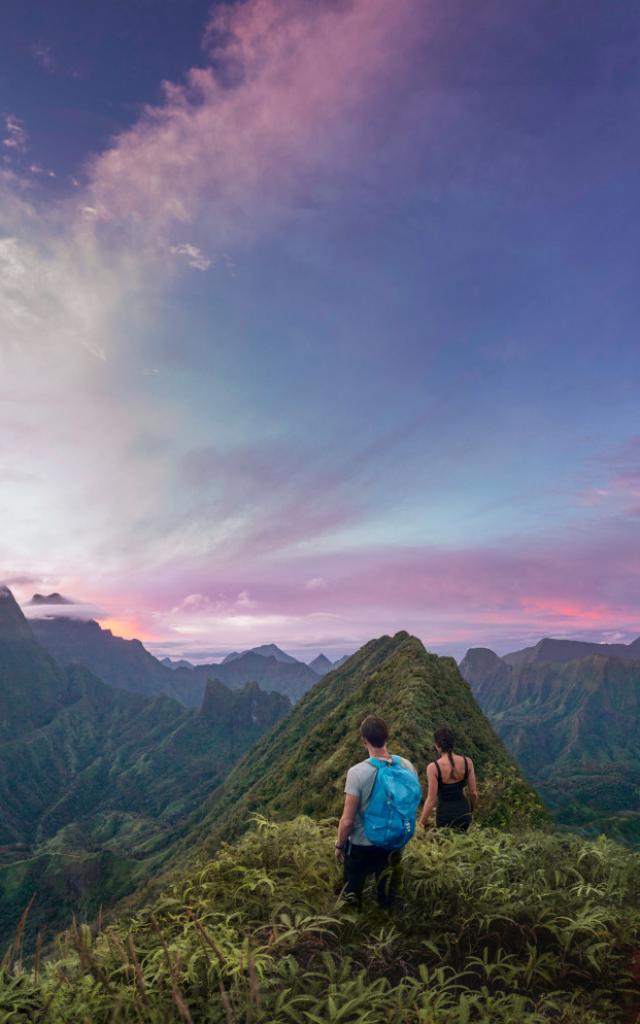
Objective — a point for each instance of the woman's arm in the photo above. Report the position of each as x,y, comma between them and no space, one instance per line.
473,786
432,794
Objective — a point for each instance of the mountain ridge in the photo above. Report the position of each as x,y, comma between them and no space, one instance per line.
95,780
552,649
127,664
300,767
574,726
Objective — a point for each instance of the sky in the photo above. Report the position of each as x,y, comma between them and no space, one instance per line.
319,320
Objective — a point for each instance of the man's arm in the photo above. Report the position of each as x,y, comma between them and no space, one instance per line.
346,823
432,795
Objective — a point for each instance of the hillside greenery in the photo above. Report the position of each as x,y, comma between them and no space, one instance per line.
299,768
91,803
95,782
574,727
494,928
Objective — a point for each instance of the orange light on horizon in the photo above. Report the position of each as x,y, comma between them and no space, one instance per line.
128,629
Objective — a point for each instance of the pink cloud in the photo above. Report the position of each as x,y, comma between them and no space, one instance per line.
501,596
295,93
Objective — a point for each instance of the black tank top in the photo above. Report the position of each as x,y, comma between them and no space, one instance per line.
452,790
453,807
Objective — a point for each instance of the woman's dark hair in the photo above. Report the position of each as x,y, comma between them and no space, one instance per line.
445,740
375,731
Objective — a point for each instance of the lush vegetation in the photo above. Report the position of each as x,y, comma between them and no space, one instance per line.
494,928
510,922
300,767
95,782
574,727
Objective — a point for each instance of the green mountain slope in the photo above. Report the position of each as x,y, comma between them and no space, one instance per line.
127,664
301,766
124,664
496,926
574,726
95,781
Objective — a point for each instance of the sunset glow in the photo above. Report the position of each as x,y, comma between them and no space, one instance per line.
319,321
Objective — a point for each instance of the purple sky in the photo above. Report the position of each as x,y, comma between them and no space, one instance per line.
319,320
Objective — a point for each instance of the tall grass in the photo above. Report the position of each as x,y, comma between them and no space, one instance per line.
494,928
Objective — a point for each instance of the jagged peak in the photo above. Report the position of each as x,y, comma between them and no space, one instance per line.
482,655
13,624
249,704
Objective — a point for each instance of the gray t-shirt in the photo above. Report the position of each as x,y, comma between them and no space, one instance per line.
360,780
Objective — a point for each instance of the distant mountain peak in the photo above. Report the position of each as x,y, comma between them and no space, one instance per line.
483,654
230,657
176,663
551,650
54,598
321,665
250,706
265,651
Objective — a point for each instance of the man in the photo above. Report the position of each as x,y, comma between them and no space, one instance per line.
359,855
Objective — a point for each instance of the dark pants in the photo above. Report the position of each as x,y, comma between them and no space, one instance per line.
362,861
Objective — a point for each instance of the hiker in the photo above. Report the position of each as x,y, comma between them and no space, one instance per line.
447,778
379,816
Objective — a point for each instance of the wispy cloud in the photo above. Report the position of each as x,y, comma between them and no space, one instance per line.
193,256
238,143
15,137
615,490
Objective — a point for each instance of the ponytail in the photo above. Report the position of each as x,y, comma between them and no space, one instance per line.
445,739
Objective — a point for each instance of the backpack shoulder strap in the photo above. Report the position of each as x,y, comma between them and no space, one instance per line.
466,769
369,786
438,771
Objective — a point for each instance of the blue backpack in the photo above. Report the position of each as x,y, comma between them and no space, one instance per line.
390,815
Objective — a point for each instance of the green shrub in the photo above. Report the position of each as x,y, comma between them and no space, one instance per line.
493,928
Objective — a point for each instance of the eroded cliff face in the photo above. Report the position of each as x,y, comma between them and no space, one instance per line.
573,725
250,706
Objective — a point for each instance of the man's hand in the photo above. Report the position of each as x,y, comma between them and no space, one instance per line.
339,851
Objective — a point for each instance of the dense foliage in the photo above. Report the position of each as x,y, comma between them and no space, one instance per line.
494,928
300,767
574,727
96,782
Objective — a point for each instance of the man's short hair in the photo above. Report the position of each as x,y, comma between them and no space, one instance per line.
375,731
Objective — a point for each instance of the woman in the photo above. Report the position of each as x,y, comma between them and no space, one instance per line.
447,778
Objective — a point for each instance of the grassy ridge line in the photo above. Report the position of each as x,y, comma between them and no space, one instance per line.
299,768
496,929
